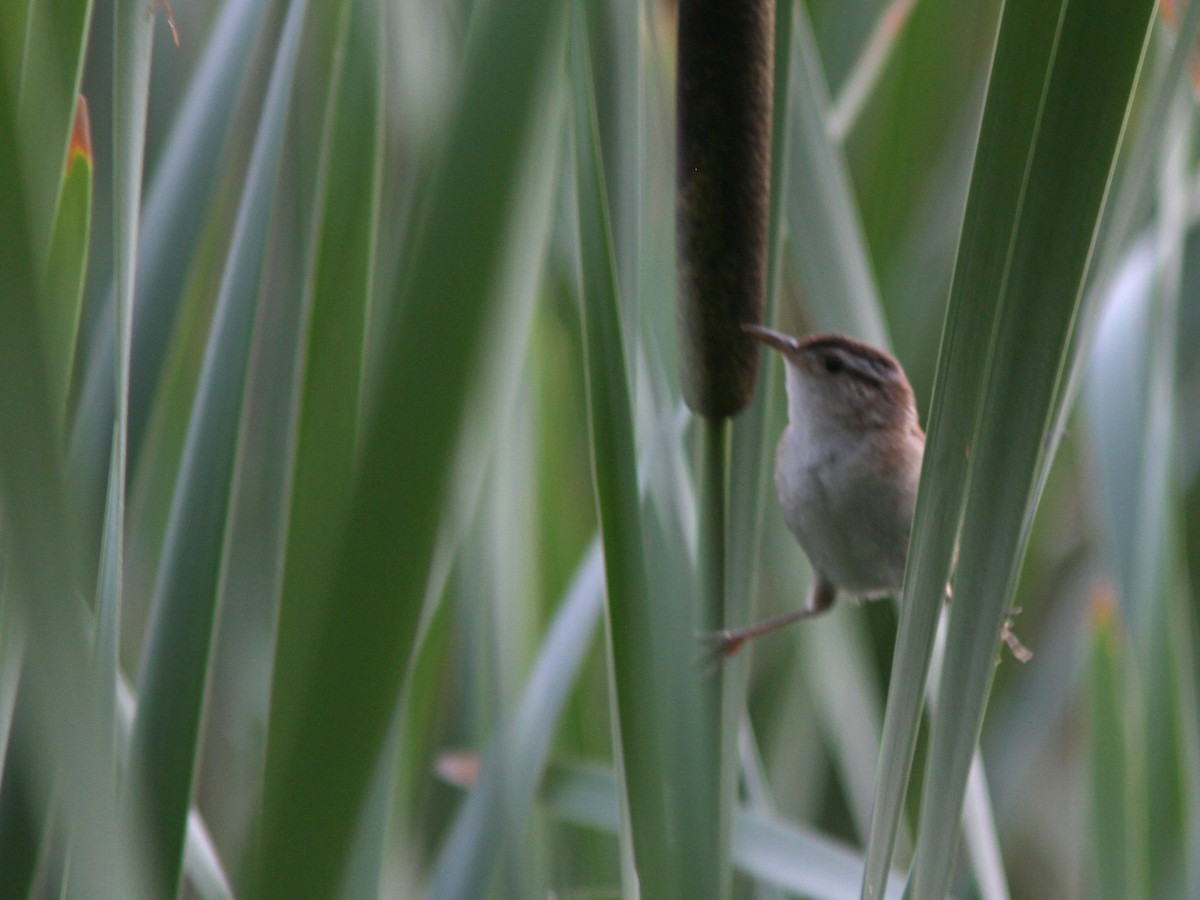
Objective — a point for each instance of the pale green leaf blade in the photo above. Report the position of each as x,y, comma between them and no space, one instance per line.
1050,173
62,295
174,672
342,675
636,650
780,853
43,583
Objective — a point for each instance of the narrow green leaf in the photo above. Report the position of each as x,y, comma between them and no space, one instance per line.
790,856
175,667
1139,154
342,676
825,233
1129,183
1136,441
62,295
1057,102
496,587
924,112
650,789
862,80
51,66
182,180
133,40
1114,779
43,585
1058,96
512,767
751,448
339,290
23,807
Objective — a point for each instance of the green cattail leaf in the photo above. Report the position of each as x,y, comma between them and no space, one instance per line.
67,263
171,688
1116,781
1060,86
1006,341
654,859
344,668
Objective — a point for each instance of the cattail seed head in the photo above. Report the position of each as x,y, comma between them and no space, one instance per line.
723,156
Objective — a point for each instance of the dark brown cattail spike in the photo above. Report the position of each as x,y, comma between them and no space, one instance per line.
723,155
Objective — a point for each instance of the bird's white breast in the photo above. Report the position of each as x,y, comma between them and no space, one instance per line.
850,513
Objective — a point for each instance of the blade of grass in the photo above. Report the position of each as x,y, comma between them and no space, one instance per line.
826,236
1136,439
133,41
336,685
1116,840
751,450
171,687
843,678
652,790
1000,324
51,62
790,856
62,294
1074,60
1154,569
512,766
983,845
337,290
500,609
1139,154
23,814
906,136
42,583
182,180
862,80
202,865
1116,225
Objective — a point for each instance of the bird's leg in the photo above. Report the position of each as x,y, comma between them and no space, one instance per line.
820,598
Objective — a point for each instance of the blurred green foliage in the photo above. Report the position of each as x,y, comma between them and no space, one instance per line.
321,541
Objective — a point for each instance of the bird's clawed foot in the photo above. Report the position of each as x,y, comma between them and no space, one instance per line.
718,646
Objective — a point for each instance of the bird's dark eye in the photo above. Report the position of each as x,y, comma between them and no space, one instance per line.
834,364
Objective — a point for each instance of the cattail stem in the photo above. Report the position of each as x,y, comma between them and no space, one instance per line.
719,756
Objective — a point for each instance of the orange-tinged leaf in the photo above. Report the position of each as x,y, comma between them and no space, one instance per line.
1170,13
81,132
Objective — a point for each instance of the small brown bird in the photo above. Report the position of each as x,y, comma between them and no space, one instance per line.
846,471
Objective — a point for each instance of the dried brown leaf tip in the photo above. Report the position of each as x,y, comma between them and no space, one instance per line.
1103,611
1170,13
166,6
458,768
81,132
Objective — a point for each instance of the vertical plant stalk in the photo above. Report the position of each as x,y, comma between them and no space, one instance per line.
720,688
725,94
1114,765
647,860
175,662
133,43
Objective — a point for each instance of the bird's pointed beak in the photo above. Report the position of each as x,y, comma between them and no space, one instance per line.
784,343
